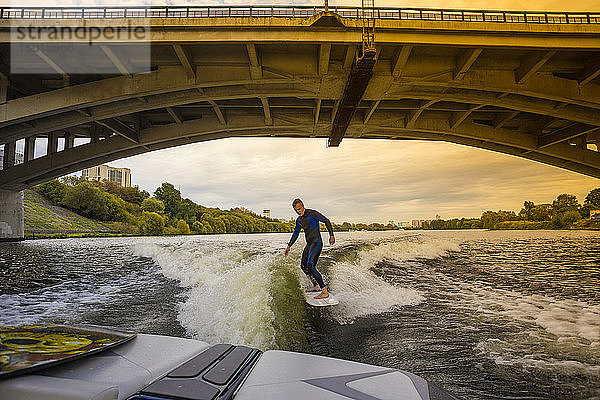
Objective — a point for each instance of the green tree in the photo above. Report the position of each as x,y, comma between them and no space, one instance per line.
88,200
489,219
565,219
187,210
207,228
207,220
115,208
526,212
129,194
591,202
476,224
197,227
53,190
568,218
219,225
183,227
542,212
507,215
565,211
563,203
153,204
151,224
170,196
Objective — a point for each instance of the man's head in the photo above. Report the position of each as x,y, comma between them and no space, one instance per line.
298,206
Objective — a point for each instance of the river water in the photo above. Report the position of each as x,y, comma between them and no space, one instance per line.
485,314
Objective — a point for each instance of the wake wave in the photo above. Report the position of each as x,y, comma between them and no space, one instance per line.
246,292
361,292
229,291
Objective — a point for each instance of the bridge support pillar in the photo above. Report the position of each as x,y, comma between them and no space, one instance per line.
11,216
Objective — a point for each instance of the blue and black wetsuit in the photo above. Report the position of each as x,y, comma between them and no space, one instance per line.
310,223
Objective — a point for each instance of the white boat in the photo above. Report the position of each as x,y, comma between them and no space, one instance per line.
154,367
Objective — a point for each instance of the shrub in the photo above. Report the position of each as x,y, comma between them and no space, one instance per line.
53,190
116,208
183,227
565,219
152,224
521,225
153,204
171,230
87,200
197,227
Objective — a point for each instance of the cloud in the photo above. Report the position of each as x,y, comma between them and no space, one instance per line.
361,181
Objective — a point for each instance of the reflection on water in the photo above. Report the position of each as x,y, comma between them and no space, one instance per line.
486,314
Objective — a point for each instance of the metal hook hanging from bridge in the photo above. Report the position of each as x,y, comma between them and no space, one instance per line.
368,29
360,75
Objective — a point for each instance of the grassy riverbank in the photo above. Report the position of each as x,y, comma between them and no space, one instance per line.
43,219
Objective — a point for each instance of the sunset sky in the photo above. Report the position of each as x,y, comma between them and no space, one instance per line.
362,180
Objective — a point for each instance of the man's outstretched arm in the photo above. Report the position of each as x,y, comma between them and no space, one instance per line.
293,238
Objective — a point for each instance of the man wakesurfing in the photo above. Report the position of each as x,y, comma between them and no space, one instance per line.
309,221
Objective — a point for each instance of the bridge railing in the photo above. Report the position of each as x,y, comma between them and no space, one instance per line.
424,14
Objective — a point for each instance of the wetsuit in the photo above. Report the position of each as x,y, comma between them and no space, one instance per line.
310,223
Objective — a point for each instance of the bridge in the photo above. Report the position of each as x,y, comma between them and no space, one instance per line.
99,84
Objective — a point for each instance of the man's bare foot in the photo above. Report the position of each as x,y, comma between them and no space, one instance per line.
324,294
312,289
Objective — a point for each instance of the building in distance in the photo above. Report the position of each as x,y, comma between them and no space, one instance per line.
267,213
120,176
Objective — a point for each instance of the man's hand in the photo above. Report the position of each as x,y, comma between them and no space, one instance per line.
331,239
287,250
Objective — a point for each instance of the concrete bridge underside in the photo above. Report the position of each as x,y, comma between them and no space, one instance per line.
531,91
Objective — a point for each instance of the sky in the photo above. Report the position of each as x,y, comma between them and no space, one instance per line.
362,180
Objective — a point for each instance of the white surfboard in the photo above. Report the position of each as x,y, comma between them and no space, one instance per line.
329,301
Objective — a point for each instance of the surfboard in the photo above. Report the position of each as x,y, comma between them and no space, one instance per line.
24,349
310,299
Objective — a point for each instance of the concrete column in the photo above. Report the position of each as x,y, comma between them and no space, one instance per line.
69,141
29,148
10,150
581,141
52,143
11,216
94,132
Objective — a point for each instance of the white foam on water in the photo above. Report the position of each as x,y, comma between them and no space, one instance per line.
411,248
561,318
66,300
549,330
361,292
511,354
229,291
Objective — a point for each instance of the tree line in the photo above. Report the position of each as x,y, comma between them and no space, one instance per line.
133,211
563,213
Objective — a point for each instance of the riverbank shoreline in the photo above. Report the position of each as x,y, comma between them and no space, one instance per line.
73,235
